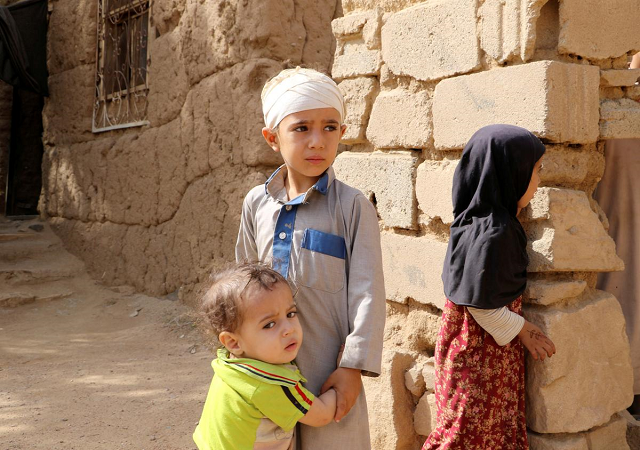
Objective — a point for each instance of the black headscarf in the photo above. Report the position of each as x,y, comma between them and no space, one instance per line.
486,262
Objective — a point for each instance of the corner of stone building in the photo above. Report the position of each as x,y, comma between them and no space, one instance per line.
516,62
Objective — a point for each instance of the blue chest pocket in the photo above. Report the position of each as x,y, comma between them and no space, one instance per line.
321,263
329,244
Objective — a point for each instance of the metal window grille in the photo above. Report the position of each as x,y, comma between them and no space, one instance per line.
122,59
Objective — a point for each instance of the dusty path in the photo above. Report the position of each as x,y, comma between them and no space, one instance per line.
85,372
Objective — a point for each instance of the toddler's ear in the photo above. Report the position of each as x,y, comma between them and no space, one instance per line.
272,138
231,343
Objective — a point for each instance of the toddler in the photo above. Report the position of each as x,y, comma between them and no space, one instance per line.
256,396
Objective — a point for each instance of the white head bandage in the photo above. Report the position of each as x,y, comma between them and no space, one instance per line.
299,89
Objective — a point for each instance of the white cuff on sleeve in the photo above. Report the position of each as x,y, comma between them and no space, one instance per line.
501,323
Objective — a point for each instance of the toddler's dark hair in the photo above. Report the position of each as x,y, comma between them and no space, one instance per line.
221,306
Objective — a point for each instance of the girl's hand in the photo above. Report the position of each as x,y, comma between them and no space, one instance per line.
347,384
536,341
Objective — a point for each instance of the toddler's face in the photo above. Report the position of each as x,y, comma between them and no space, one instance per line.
533,185
270,329
308,141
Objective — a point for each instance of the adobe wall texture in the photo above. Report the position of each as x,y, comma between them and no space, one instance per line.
420,79
158,206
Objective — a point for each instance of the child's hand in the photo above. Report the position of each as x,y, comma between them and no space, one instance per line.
347,384
536,342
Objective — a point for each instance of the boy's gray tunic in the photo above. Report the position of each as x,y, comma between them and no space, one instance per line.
338,285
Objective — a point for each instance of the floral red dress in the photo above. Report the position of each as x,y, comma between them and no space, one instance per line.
479,387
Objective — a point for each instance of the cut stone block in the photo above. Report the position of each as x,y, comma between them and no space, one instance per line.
365,25
354,59
434,181
400,119
557,442
410,328
555,101
620,119
610,436
597,29
543,292
566,235
420,41
565,165
385,5
591,344
508,28
620,77
358,95
390,404
387,177
412,268
633,429
424,418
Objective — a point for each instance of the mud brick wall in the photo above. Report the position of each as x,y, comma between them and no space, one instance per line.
157,207
420,78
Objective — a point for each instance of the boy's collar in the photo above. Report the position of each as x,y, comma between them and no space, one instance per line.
226,365
274,186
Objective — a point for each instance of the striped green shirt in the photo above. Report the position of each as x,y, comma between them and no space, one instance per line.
251,404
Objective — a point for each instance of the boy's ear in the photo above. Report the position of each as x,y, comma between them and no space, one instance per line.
271,138
343,128
231,343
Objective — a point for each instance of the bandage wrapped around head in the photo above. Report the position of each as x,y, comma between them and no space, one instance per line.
295,90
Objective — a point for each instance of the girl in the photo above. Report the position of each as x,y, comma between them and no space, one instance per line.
323,237
479,363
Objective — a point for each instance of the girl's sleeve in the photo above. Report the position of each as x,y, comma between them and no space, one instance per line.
246,248
365,295
502,324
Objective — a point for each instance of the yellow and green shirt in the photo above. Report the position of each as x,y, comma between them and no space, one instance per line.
251,404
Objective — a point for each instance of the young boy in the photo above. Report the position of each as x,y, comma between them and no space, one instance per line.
256,397
323,237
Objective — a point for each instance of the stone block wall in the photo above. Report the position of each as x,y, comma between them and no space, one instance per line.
420,77
157,207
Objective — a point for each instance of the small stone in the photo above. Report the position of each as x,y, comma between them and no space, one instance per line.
424,418
429,374
413,380
37,227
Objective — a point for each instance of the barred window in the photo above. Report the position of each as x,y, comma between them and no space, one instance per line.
121,64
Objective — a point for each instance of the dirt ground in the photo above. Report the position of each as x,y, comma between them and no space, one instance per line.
101,369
